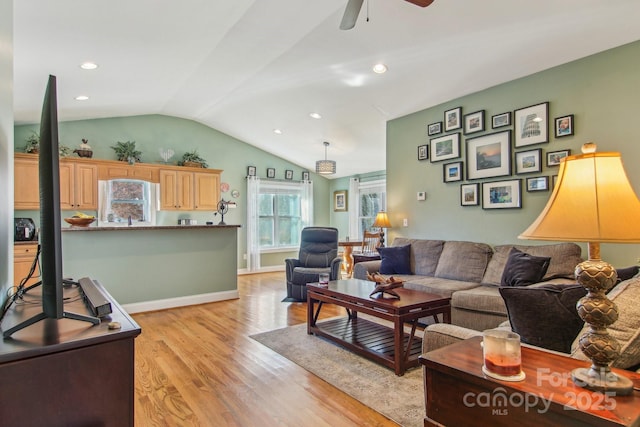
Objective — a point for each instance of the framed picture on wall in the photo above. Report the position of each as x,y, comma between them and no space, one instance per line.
538,183
452,172
453,119
474,122
445,147
434,128
489,155
305,175
528,161
251,171
340,201
564,126
500,120
288,174
532,125
501,194
554,157
271,173
469,194
423,152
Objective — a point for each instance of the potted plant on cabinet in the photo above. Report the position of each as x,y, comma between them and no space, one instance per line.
126,152
192,159
33,144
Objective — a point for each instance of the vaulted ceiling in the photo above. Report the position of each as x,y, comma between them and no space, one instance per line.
247,67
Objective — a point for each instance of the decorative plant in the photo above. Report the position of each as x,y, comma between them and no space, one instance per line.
126,151
33,143
193,156
64,151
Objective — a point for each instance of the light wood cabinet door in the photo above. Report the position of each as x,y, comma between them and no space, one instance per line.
78,186
206,191
176,190
23,256
26,187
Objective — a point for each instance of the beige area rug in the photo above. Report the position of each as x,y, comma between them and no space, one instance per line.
398,398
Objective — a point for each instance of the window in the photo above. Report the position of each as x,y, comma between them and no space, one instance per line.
280,217
371,199
121,199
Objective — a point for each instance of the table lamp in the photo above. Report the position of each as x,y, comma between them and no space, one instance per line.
593,202
382,221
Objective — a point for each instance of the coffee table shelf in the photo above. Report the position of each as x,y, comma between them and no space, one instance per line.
389,345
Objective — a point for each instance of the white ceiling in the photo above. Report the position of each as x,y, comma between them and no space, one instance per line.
246,67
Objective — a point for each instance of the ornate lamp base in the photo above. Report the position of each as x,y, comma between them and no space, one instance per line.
598,312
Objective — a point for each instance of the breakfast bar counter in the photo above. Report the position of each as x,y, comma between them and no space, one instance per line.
155,267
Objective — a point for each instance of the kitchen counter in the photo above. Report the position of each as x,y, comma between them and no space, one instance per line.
147,228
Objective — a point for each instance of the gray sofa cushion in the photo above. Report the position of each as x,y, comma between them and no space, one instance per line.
486,299
564,258
436,285
466,261
425,255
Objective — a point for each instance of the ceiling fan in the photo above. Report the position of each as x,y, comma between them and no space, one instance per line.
352,11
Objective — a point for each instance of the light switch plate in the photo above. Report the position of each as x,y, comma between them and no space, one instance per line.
421,195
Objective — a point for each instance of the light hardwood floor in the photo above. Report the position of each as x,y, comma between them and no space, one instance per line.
197,366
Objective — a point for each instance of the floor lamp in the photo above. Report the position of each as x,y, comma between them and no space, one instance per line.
382,221
593,202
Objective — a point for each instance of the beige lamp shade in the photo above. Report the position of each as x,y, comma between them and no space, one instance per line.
382,220
593,201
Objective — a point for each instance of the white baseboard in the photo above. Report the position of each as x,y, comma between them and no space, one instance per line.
162,304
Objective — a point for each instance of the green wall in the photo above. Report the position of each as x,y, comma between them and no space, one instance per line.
599,90
6,148
152,132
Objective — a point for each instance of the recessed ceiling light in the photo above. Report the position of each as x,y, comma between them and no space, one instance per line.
81,98
277,131
89,66
315,115
380,68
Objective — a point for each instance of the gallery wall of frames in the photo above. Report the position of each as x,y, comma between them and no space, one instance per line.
493,157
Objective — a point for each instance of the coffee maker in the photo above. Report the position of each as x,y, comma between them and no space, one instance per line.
25,230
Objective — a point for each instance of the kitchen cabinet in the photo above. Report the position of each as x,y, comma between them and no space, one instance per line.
78,186
122,170
26,188
189,190
23,256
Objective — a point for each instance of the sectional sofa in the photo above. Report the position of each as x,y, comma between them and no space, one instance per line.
470,273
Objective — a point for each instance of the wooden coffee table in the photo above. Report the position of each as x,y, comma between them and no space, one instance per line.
389,346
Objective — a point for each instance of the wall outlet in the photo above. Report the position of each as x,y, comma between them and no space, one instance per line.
405,222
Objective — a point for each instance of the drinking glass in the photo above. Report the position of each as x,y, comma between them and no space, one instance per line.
501,350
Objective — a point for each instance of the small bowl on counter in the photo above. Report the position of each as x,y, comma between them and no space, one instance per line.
79,222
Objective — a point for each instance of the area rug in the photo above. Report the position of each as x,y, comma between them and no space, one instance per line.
398,398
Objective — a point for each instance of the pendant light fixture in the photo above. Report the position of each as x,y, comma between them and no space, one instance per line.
326,167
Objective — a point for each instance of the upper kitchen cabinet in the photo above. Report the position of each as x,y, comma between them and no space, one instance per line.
26,188
188,190
78,185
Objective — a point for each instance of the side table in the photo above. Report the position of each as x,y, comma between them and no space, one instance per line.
459,394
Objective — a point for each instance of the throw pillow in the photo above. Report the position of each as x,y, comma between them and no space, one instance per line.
627,273
523,269
395,260
545,316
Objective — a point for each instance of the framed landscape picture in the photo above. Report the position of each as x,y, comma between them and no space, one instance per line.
554,157
500,120
469,194
474,122
445,147
453,119
452,172
434,128
489,155
532,125
538,183
502,194
528,161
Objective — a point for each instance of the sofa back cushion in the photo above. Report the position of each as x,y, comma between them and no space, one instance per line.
466,261
564,258
424,254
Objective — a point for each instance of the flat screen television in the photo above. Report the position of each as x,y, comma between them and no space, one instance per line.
50,218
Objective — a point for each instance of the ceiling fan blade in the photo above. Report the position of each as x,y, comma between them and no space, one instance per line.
421,3
351,13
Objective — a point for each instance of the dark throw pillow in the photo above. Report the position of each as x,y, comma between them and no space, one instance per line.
545,316
627,273
395,260
523,269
